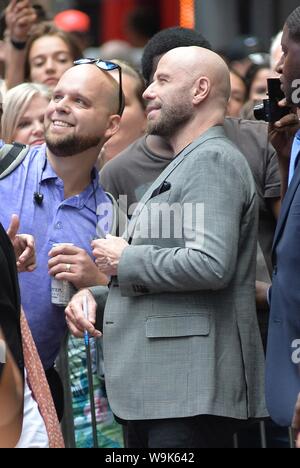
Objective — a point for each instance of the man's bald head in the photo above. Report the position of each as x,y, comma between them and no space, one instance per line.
197,62
94,80
82,114
189,94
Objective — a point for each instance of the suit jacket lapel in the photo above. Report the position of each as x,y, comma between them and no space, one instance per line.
288,199
147,196
213,132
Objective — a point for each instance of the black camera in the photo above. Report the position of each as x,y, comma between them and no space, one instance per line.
269,110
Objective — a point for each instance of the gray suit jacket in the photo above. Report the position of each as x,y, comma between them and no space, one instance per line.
180,330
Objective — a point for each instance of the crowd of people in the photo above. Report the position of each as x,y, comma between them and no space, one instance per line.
172,218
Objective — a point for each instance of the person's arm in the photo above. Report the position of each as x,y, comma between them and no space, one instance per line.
20,17
77,322
208,256
272,181
296,421
11,398
81,272
275,205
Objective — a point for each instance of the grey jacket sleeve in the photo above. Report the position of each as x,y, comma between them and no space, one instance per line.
207,260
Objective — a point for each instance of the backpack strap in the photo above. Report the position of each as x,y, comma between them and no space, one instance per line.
11,156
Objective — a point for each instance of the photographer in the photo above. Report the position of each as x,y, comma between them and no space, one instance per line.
282,374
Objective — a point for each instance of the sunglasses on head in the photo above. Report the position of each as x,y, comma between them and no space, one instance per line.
106,66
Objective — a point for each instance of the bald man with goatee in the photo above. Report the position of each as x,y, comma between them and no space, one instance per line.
183,355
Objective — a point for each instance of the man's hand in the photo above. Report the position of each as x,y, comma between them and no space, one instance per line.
282,133
75,318
24,247
19,18
70,263
108,253
296,421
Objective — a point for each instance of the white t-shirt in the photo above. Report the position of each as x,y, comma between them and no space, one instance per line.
34,433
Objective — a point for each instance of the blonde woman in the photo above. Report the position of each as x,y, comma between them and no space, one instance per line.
23,114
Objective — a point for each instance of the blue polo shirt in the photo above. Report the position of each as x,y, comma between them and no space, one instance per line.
56,220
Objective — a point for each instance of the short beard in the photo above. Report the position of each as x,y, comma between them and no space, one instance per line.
71,145
171,119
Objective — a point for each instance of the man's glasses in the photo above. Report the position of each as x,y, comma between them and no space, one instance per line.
106,66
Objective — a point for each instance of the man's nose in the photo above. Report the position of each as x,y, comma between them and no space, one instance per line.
62,106
279,65
149,93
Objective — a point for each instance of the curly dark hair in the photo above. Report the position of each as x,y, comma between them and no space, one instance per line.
166,40
293,24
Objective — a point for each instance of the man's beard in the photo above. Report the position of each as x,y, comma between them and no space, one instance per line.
70,145
171,119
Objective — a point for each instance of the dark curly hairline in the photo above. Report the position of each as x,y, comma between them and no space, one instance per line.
293,25
169,39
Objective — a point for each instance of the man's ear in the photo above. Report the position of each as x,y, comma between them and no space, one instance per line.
201,89
112,126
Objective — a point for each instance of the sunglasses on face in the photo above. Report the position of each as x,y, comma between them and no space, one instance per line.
106,66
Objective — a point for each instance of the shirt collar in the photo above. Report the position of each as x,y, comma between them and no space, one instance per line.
46,170
297,137
294,156
97,201
90,198
47,173
296,144
93,195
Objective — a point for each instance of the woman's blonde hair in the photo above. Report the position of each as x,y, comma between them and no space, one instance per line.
15,103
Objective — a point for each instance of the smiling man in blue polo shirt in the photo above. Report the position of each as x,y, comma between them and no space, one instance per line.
55,192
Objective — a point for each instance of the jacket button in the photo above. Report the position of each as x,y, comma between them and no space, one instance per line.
275,270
